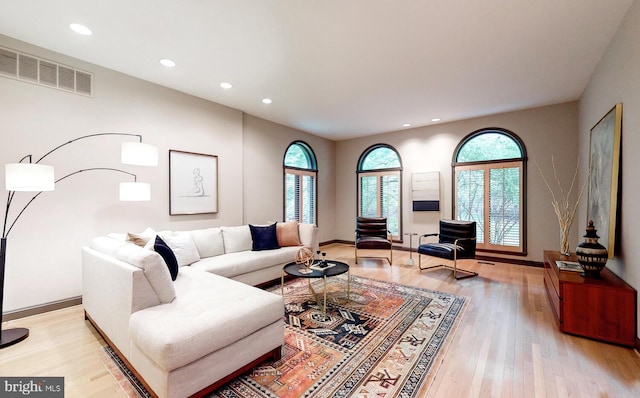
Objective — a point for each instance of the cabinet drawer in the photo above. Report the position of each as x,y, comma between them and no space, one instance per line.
552,278
554,298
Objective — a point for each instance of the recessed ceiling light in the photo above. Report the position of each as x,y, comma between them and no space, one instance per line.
226,85
267,101
406,124
436,119
167,62
80,29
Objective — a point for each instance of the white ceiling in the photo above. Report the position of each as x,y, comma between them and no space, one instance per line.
339,68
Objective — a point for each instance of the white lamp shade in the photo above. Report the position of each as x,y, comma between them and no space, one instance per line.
135,192
139,154
29,177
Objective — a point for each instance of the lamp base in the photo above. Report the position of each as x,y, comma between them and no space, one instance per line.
13,336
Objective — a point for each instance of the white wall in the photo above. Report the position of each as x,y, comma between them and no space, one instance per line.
265,144
617,79
43,260
546,132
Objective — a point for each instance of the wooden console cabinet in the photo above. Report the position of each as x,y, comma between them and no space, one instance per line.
599,308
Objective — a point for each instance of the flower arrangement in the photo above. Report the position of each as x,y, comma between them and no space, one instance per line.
565,211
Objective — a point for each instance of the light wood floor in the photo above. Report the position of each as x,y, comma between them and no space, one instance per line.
507,345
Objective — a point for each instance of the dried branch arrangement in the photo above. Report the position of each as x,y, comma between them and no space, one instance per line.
565,211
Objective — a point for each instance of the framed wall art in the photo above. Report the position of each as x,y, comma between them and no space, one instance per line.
425,191
604,162
193,183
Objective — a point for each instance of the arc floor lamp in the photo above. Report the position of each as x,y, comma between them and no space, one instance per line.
35,177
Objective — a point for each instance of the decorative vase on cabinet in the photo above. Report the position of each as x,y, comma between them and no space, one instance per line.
592,256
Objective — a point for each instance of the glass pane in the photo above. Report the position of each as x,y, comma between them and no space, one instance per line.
504,206
308,200
390,194
470,199
297,156
380,158
489,146
290,197
368,196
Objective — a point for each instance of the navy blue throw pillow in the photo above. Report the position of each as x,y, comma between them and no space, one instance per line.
167,254
264,237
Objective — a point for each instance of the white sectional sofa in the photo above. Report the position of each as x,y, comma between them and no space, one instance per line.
189,335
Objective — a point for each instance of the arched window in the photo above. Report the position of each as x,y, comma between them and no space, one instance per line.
489,181
300,172
380,186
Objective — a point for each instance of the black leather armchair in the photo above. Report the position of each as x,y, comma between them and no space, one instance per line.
456,241
372,233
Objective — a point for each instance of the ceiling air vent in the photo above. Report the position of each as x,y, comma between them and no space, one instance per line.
8,63
16,65
27,68
83,83
66,78
48,73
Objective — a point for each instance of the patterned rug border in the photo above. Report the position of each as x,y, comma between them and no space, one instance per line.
430,369
426,379
444,348
122,374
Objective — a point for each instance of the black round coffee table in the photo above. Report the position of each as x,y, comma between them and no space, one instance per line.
333,268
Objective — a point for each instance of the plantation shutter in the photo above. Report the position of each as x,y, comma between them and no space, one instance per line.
504,206
470,198
368,196
379,197
300,196
307,198
500,187
291,193
390,186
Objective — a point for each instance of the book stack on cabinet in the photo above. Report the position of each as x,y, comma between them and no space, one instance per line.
599,308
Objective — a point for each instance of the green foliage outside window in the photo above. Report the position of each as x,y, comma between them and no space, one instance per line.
489,146
380,158
297,156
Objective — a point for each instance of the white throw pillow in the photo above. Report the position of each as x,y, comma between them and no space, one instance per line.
182,246
236,239
208,241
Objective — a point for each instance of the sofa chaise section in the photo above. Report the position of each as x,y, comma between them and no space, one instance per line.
212,328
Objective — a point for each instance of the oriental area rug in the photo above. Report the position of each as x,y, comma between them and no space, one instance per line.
384,340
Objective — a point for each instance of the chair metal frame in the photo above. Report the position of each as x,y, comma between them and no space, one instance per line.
454,268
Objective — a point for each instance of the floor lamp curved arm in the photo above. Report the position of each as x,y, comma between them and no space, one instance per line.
5,231
42,179
82,138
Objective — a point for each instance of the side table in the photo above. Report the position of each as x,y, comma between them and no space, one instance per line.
411,235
